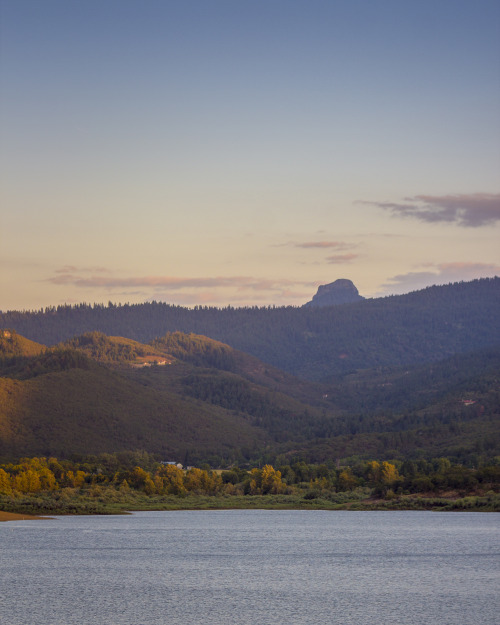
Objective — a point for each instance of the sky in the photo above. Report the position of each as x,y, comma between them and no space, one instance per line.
237,152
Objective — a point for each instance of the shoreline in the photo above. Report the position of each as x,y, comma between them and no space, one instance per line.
112,502
14,516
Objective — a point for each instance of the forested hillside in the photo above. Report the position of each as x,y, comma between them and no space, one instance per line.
195,399
315,343
65,403
95,394
12,345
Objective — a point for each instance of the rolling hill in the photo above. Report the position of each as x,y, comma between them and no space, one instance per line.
74,405
95,393
13,345
192,398
317,343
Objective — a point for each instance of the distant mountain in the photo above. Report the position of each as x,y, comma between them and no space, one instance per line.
314,342
339,292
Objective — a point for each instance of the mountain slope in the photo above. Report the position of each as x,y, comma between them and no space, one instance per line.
91,409
449,408
315,343
96,393
211,401
13,345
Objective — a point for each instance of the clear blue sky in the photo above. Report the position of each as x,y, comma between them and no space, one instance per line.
244,152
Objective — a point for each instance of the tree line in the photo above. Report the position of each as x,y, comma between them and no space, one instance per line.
382,478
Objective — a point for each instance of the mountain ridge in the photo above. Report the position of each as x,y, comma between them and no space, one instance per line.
309,342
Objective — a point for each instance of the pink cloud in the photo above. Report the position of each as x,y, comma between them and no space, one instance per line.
443,273
340,245
338,259
241,283
467,210
72,269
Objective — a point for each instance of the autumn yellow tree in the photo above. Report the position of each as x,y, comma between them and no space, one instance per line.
169,480
271,480
389,473
47,479
373,472
149,486
346,480
27,481
265,481
75,479
5,483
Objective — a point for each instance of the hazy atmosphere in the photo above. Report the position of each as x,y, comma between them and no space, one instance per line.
243,153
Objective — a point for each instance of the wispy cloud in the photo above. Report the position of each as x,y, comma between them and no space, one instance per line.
338,245
73,269
321,245
339,259
171,282
443,273
467,210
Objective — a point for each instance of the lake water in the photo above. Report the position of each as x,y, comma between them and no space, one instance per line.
252,567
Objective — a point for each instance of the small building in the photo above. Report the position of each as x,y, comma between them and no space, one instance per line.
468,402
172,463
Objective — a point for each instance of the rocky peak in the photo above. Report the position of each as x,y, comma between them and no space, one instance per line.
339,292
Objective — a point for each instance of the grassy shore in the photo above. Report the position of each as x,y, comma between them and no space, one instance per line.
111,501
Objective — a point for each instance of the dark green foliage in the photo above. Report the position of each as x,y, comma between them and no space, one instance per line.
197,350
25,368
317,343
407,389
63,403
100,347
281,416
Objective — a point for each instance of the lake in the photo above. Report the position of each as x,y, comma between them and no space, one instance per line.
252,567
